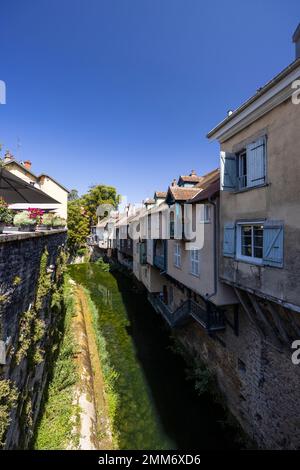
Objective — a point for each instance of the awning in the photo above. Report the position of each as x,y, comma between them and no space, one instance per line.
14,190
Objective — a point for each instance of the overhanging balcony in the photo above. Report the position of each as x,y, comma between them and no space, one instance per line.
160,262
211,319
160,254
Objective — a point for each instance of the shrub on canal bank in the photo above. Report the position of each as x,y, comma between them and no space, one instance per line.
132,415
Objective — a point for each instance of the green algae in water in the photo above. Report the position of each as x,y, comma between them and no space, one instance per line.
134,420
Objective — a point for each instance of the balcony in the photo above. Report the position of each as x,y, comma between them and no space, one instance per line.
143,253
210,319
125,247
159,262
160,254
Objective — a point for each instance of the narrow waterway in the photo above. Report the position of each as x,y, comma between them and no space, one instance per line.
176,417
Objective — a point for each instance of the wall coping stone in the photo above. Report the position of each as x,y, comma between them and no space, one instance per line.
10,237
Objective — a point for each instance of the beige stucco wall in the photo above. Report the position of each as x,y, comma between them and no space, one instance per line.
45,184
204,283
279,200
57,192
23,174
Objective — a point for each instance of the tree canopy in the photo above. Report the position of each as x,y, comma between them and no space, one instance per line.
82,213
96,195
73,195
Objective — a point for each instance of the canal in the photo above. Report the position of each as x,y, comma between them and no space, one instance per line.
152,403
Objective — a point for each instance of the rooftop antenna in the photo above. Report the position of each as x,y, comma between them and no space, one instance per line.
18,147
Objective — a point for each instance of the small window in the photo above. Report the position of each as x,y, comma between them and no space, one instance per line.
250,242
242,169
194,256
177,255
205,213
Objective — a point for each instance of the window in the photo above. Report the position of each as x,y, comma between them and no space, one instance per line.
206,213
177,255
194,257
242,169
245,169
250,242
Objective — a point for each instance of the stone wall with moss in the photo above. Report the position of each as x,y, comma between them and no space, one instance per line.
31,267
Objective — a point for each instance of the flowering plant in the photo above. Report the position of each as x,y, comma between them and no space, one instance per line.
5,213
36,214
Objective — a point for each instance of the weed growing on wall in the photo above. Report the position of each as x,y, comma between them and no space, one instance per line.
8,400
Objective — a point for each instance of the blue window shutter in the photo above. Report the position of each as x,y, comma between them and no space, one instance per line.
178,222
228,171
273,243
256,162
229,240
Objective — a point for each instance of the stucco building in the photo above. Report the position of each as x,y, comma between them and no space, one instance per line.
43,182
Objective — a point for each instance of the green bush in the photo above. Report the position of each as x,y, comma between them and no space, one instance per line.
6,216
22,218
102,265
58,222
48,219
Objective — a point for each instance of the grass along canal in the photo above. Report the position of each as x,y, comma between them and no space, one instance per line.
140,395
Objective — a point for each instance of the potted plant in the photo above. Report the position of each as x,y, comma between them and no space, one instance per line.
5,215
25,222
58,222
37,215
47,221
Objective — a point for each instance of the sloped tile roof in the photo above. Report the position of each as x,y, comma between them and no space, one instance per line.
160,194
182,194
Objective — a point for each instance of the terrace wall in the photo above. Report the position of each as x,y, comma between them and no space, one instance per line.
30,308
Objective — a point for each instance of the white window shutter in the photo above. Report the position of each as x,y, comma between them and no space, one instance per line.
256,162
228,171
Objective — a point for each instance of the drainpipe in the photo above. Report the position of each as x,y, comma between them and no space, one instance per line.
209,296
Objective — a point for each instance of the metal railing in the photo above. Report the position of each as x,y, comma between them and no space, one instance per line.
210,319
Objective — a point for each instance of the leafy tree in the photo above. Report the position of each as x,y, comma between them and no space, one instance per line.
78,226
99,194
73,195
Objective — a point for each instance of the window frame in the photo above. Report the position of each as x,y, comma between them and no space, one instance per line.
206,214
195,262
241,163
177,255
239,255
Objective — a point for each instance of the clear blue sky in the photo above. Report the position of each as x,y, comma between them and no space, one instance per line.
123,92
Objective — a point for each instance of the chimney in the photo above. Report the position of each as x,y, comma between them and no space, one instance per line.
27,164
193,173
296,40
8,156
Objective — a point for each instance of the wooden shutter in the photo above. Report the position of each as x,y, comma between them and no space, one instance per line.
229,240
273,243
228,171
178,222
256,162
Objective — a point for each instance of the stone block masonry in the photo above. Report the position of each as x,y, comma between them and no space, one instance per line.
30,308
260,384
